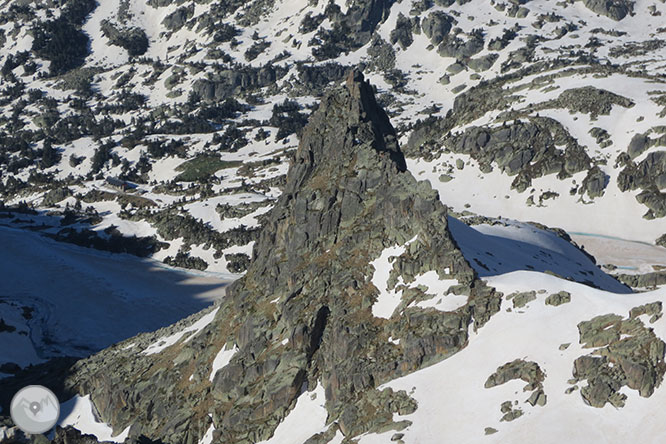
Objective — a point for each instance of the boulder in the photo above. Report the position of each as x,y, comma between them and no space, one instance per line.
614,9
436,26
558,298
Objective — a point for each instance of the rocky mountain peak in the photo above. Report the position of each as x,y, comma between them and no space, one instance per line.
348,117
320,305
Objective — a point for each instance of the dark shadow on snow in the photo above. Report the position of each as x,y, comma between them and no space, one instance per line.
492,255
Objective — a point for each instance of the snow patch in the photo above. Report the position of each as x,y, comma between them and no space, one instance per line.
388,300
80,413
208,436
193,330
439,288
222,359
306,419
534,335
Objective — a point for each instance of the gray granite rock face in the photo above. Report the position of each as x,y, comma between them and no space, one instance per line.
347,197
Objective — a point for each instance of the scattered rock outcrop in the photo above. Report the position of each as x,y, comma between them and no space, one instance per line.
558,298
588,100
527,371
316,77
594,183
521,299
639,143
527,150
350,30
627,354
134,39
436,26
650,176
402,33
645,280
228,83
649,173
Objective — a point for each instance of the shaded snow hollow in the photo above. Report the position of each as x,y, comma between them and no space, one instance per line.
66,300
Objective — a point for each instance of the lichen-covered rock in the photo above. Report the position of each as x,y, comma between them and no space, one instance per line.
527,150
461,47
350,30
603,138
483,63
655,201
646,280
512,414
382,55
527,371
230,82
594,183
627,354
588,100
646,175
637,145
559,298
402,33
522,299
177,18
316,78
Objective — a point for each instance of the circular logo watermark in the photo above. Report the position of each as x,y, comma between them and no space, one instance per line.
35,409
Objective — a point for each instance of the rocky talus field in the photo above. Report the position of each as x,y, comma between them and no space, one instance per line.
334,221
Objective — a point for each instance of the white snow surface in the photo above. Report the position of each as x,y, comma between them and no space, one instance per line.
208,436
439,289
498,249
79,412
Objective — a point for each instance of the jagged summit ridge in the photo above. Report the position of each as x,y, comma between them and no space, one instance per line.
364,122
302,316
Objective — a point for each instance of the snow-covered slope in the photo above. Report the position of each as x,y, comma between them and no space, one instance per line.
499,249
460,408
63,300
